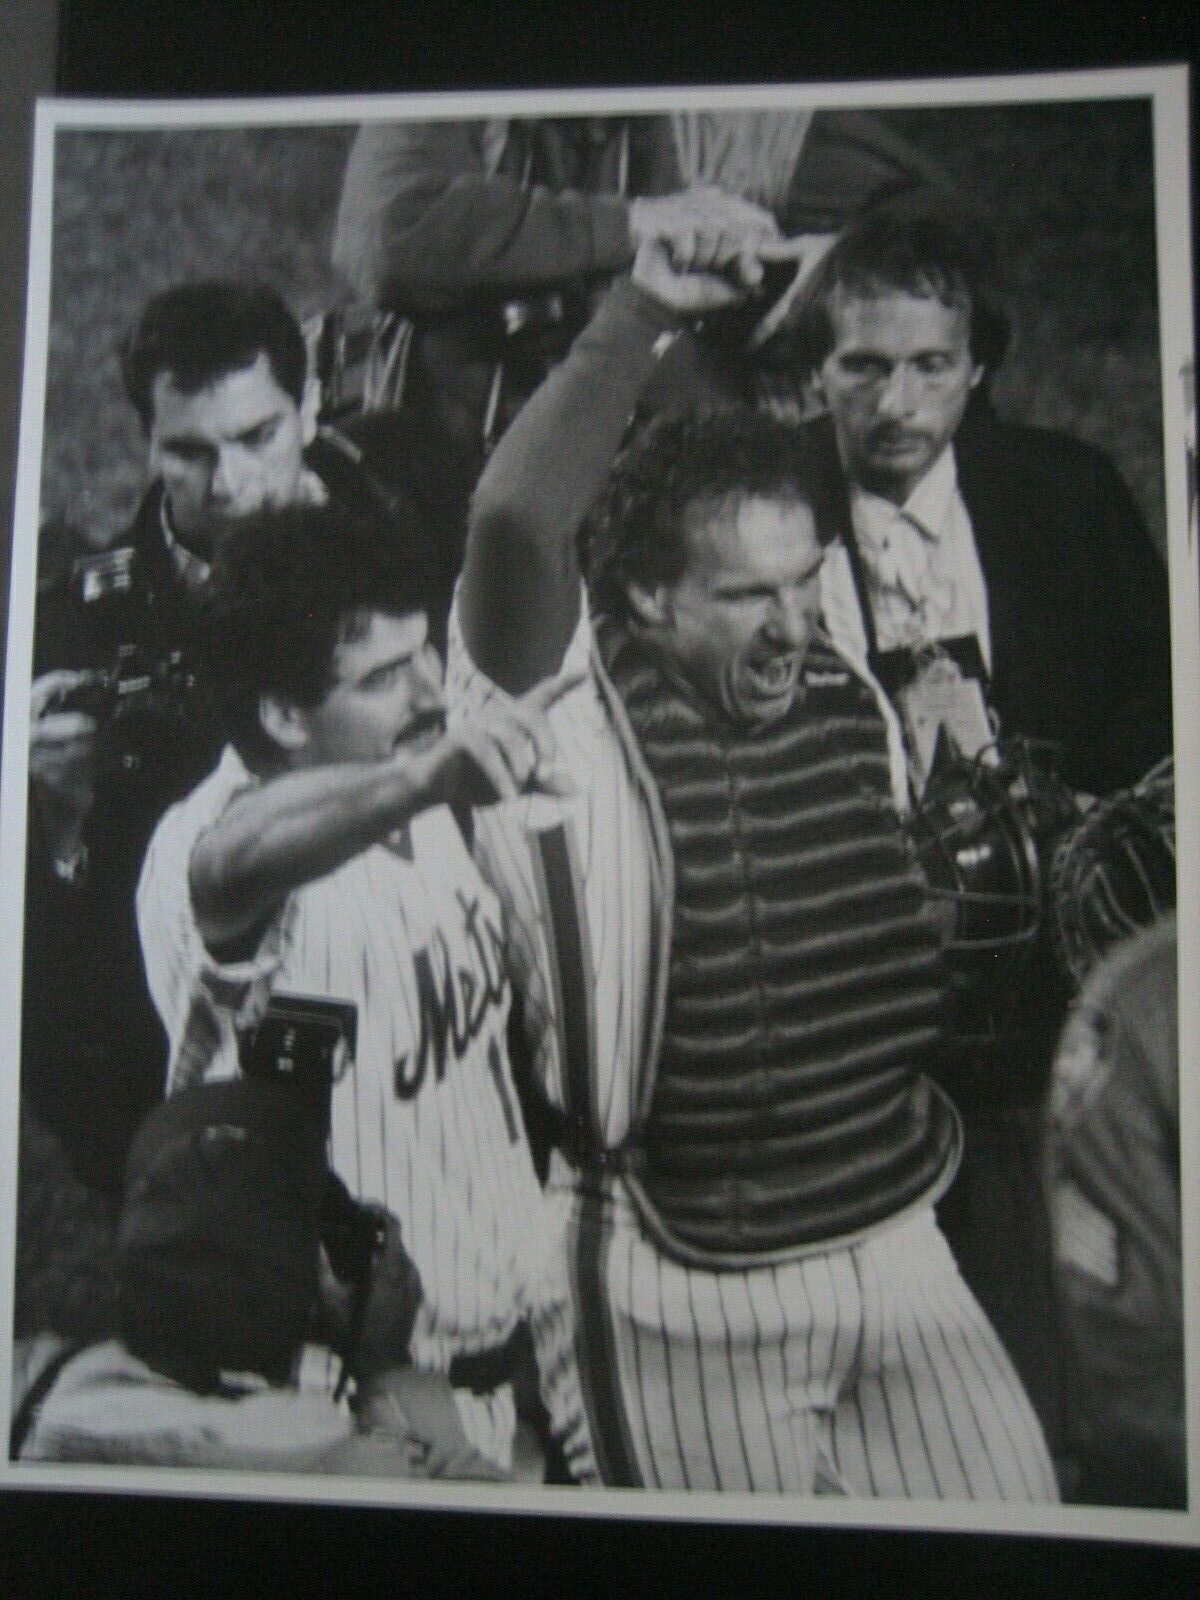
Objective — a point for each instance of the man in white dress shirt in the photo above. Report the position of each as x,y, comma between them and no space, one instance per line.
997,579
1017,552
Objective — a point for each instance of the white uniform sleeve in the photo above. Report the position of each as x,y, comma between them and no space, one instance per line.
202,1002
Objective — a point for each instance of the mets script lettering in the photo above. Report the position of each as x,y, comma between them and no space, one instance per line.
454,997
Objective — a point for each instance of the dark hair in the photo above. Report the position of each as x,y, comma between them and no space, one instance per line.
705,455
917,242
287,586
201,331
219,1232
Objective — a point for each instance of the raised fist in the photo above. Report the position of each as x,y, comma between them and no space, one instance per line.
702,228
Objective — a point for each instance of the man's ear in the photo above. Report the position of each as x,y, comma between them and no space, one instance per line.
310,405
650,607
283,723
977,374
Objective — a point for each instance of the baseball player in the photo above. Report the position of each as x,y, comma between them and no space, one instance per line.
730,974
312,908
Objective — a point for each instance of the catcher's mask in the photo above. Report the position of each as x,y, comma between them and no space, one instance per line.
975,834
1113,872
981,832
1035,885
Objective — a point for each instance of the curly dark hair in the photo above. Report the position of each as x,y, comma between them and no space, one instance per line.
681,460
916,242
290,584
204,329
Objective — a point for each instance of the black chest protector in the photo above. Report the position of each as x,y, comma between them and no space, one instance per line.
806,990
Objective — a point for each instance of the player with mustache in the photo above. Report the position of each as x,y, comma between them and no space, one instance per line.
731,977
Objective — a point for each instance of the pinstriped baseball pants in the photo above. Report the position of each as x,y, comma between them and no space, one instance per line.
868,1370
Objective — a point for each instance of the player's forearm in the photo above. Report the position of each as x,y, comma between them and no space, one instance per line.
294,829
519,599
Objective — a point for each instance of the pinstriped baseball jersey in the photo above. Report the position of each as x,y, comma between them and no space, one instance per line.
595,848
597,844
803,1362
425,1118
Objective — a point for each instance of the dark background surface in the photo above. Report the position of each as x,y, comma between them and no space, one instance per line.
61,1544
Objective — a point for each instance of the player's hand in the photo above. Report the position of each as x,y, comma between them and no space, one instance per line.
711,280
392,1305
701,250
806,251
417,1410
506,751
703,228
63,743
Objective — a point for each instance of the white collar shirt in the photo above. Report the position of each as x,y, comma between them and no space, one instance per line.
922,570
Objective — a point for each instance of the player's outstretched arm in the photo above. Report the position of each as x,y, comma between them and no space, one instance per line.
304,824
519,594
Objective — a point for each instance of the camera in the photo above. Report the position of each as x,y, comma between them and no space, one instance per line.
143,694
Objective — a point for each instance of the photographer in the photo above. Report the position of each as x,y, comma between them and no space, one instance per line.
120,728
241,1273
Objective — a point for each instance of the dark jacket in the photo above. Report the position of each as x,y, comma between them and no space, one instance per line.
93,1052
1077,596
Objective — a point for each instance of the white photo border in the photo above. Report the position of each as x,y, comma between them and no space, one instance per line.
1167,89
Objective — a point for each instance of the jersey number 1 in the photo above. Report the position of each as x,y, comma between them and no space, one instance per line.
496,1068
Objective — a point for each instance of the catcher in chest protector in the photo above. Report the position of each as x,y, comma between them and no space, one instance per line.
731,972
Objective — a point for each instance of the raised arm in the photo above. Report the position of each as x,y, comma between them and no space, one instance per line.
289,831
426,223
519,593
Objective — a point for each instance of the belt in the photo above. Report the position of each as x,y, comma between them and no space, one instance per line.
482,1371
578,1142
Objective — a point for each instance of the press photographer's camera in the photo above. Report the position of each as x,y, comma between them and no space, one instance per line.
142,696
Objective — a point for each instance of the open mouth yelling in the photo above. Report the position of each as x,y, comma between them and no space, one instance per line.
765,686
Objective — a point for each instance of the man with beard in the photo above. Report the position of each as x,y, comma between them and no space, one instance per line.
730,973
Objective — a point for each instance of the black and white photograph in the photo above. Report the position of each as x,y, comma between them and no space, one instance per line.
592,913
